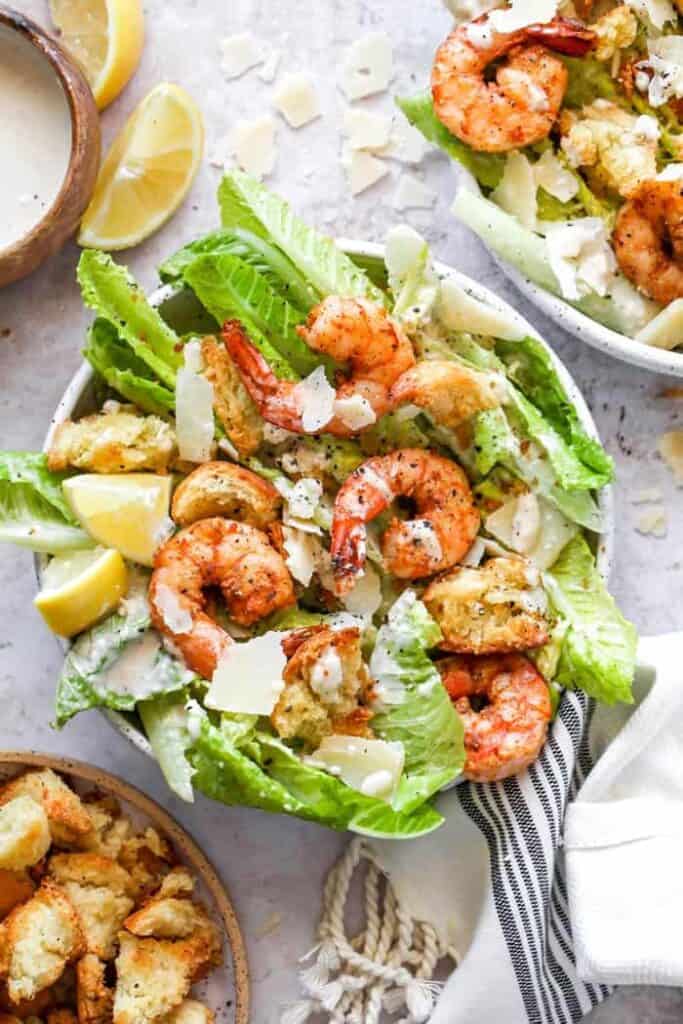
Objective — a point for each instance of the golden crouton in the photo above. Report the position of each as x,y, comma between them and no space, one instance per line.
7,1018
498,607
148,858
28,1009
15,887
113,442
225,489
313,706
99,890
189,1012
178,882
153,977
62,1017
94,1000
70,823
232,403
165,917
24,833
111,827
37,940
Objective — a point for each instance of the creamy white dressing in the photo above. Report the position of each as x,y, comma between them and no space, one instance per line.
35,136
133,672
327,676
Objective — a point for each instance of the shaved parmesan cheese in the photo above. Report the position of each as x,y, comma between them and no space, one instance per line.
354,411
636,310
404,248
532,527
366,596
268,71
670,447
248,677
297,100
239,53
475,553
522,13
657,12
672,172
647,496
304,497
552,176
468,10
652,523
194,408
327,676
368,66
516,193
666,329
316,398
372,767
413,194
459,311
406,144
177,619
366,130
301,553
581,256
253,143
363,169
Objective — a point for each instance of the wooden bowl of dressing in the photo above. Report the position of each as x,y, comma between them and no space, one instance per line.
50,145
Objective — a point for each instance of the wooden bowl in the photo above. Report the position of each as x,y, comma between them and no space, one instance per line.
226,991
61,220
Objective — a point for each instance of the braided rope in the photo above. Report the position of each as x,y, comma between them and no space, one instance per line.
388,966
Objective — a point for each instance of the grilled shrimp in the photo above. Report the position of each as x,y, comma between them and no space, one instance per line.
225,489
520,105
352,331
648,239
447,524
507,734
234,557
449,392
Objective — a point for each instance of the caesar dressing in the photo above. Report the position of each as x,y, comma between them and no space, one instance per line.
35,136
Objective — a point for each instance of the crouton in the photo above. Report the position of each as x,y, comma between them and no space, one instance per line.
153,977
224,489
37,940
24,833
148,858
111,828
7,1018
164,918
231,400
189,1012
310,711
15,887
113,442
70,824
496,608
178,882
99,890
94,1000
62,1017
28,1009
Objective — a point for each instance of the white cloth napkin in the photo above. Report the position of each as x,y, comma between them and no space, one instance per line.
624,833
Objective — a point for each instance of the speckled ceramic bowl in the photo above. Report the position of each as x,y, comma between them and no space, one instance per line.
182,311
226,990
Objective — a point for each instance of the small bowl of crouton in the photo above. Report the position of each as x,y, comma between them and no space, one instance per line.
109,912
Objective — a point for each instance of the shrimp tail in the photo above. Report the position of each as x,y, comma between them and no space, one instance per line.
347,548
259,379
564,35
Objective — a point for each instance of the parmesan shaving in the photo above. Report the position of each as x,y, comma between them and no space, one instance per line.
366,130
194,408
253,143
240,52
248,677
297,100
367,67
413,194
670,447
652,523
363,169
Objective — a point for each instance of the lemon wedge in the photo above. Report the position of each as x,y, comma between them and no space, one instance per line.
81,588
127,512
147,172
106,37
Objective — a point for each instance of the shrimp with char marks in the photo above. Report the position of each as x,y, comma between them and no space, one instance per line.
450,392
521,103
506,735
648,240
447,523
236,558
355,332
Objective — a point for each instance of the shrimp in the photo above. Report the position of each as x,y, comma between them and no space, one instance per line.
648,240
351,331
225,489
447,525
520,105
449,392
507,734
235,557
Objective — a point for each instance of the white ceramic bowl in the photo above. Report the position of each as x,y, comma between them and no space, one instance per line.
574,322
79,399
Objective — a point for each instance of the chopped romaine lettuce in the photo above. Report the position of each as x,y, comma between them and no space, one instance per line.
599,648
33,510
118,365
166,723
589,80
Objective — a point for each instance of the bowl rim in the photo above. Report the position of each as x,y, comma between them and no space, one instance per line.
605,548
179,837
83,163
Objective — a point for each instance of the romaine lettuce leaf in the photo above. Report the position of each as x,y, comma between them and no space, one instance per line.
599,648
166,723
33,510
229,287
487,168
118,365
245,203
263,256
589,80
110,290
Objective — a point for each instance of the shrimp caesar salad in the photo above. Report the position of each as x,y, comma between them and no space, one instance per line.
323,527
569,117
